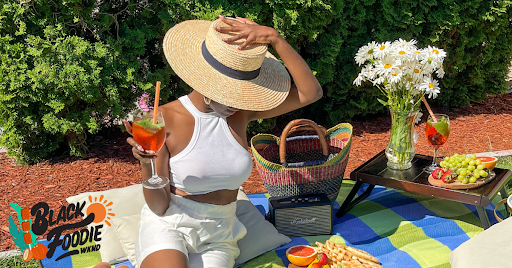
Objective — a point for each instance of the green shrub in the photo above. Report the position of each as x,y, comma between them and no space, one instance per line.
66,71
69,67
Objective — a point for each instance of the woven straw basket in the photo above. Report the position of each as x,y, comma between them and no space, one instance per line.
304,164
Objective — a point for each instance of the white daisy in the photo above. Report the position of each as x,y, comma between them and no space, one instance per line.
378,81
436,52
408,45
395,77
382,50
431,87
387,66
440,72
359,79
417,119
366,52
403,53
369,72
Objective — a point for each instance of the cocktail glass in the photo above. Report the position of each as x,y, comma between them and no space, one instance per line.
151,136
437,132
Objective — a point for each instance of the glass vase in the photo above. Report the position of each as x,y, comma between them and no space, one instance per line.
400,150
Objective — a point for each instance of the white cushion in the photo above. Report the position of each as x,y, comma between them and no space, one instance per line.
261,235
489,248
127,232
126,201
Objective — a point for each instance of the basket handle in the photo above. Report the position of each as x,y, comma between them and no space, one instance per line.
503,201
306,128
302,124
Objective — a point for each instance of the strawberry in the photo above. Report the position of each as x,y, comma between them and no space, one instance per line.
438,173
323,259
449,176
316,265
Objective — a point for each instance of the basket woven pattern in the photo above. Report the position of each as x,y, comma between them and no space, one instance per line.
325,178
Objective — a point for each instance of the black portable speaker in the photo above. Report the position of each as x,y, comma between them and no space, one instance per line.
301,215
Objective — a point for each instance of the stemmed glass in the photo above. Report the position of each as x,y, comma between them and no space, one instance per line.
437,132
150,135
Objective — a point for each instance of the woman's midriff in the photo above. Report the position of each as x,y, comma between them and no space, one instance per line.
220,197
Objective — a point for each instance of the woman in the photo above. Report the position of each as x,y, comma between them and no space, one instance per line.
191,222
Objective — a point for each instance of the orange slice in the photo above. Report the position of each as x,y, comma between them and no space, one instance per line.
488,161
27,255
301,255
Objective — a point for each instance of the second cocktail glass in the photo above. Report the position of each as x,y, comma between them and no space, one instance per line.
437,132
150,135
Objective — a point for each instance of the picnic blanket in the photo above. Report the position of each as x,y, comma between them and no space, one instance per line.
399,228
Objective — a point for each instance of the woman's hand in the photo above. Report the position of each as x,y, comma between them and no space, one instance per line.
306,89
252,32
143,156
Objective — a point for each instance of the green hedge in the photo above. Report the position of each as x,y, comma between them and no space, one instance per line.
69,68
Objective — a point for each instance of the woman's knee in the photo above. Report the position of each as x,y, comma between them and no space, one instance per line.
165,258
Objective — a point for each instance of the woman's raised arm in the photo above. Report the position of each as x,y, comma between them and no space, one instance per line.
305,89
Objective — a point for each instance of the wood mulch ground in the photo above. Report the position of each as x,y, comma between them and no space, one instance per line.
479,127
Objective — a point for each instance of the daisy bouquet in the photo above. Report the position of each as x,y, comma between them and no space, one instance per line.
401,71
404,75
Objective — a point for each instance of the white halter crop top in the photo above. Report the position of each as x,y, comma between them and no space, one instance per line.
213,160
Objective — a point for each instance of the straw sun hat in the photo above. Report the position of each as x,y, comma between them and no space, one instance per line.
249,79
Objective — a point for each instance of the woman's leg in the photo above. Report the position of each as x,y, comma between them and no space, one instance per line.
211,259
165,258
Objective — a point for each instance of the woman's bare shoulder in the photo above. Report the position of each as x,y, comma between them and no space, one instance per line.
172,109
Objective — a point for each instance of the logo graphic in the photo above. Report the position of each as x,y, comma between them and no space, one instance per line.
298,220
100,210
26,236
23,237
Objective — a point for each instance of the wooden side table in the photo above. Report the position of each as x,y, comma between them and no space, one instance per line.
415,180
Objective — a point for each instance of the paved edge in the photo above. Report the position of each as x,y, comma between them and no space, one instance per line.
9,253
497,153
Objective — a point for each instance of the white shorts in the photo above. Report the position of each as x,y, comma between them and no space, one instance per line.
206,233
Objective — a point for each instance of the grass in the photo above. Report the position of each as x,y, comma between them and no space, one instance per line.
18,262
506,163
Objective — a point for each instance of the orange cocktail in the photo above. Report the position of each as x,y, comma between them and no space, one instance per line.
151,138
148,130
435,138
437,131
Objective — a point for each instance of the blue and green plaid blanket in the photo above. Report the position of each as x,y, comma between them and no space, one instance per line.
399,228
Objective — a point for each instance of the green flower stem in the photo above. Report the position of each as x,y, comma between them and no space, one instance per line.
400,149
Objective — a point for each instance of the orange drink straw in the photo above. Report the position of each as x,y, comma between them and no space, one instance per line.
429,110
157,98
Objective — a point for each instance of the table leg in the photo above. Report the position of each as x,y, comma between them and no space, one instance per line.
483,217
504,195
349,203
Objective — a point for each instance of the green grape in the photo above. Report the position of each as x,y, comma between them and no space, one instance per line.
478,161
480,167
471,163
472,179
447,159
463,172
467,160
483,173
455,155
458,171
476,174
471,168
442,163
459,165
465,180
460,177
473,156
